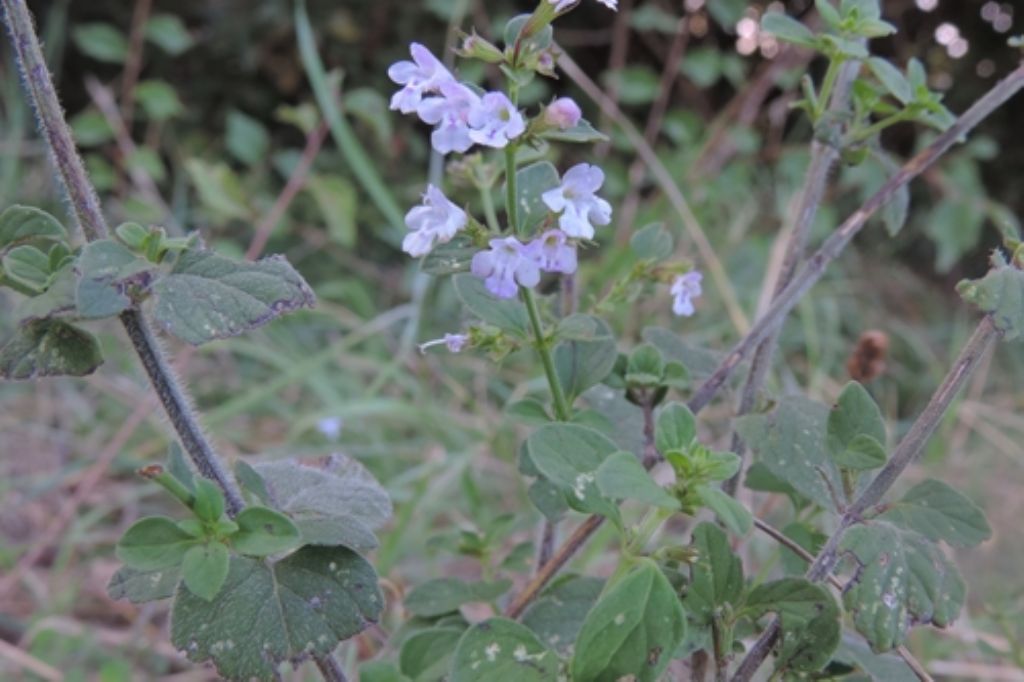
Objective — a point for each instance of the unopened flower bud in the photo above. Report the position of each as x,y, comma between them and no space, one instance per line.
563,113
475,47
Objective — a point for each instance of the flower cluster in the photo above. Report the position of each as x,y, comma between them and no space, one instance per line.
464,116
461,116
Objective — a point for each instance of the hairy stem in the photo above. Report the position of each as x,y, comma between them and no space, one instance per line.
834,245
906,452
177,405
43,98
823,157
806,278
86,210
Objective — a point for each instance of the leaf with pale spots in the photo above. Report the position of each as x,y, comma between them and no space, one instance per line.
716,577
790,442
632,630
450,258
569,456
49,348
557,615
939,512
903,579
426,656
809,617
207,296
501,650
269,613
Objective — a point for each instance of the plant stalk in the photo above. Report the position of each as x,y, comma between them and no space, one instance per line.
815,266
563,411
906,452
823,157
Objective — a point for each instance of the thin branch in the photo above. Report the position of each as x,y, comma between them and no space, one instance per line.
823,157
906,452
668,185
560,558
834,245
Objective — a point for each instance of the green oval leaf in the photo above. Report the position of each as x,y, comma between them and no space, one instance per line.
810,621
501,650
937,511
152,543
788,29
509,315
675,428
24,224
208,504
204,569
49,348
445,595
622,477
263,531
632,630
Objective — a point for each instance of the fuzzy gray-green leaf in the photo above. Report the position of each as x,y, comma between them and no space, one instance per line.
269,613
339,504
208,297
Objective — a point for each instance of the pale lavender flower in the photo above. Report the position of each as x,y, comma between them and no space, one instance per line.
450,112
454,342
563,113
505,265
434,222
553,253
580,208
494,120
425,74
330,427
685,288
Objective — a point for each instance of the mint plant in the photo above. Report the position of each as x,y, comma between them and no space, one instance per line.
266,563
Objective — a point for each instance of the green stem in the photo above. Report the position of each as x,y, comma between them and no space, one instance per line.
875,128
489,213
563,411
511,208
827,83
